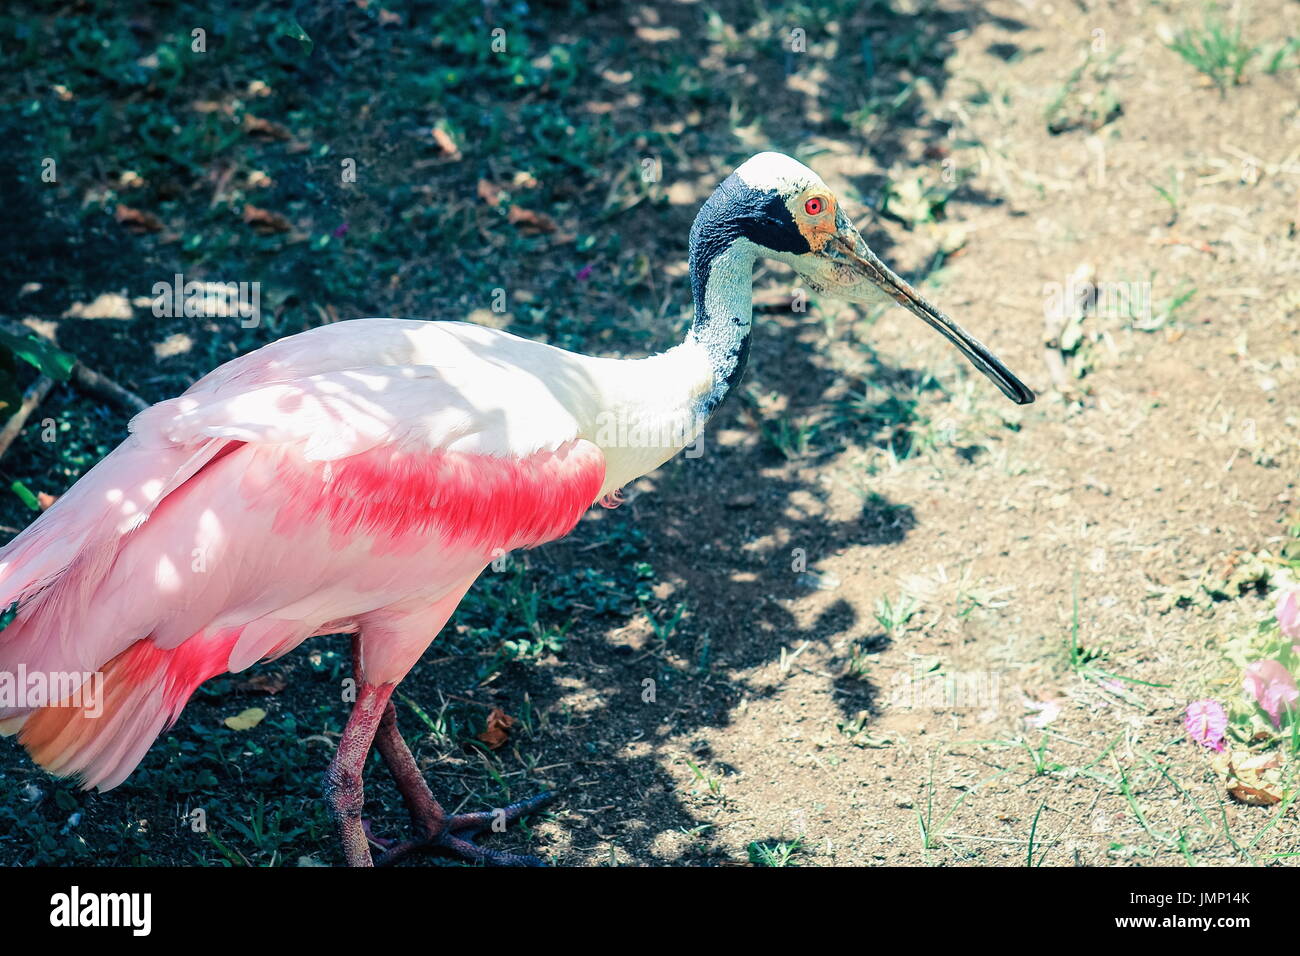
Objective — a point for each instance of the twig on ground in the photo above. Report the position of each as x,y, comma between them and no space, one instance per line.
34,395
103,386
83,376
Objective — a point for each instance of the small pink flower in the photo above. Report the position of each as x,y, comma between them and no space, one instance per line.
1273,688
1288,613
340,230
584,274
1206,723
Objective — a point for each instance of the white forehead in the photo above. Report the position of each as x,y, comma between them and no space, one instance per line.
777,171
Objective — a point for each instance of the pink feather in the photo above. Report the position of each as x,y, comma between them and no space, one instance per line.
287,494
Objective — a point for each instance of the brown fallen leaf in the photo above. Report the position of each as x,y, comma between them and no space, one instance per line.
137,220
1254,796
265,221
263,684
388,18
44,499
498,729
489,193
446,144
256,126
529,220
1252,779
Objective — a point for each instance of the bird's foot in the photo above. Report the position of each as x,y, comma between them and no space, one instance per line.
455,836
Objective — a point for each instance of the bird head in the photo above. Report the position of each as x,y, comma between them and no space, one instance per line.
790,214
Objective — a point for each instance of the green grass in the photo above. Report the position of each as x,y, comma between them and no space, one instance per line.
1285,57
1085,662
1038,757
1085,100
793,439
711,783
894,616
1032,844
1171,194
774,852
1218,50
930,826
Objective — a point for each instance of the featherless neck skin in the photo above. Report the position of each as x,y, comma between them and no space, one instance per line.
722,264
723,320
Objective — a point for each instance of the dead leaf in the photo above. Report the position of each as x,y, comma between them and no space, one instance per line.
261,683
44,499
137,220
265,221
1252,779
256,126
528,220
489,193
1254,796
388,18
246,719
445,143
498,729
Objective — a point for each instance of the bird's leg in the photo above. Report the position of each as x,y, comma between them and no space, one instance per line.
427,814
343,789
435,829
459,830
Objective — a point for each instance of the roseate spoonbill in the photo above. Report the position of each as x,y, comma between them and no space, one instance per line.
356,478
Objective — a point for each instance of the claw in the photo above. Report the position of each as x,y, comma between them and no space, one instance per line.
483,819
457,831
469,850
382,842
435,830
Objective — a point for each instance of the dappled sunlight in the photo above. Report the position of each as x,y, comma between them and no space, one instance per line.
874,587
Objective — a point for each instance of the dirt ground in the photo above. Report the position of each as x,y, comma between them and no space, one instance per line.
1183,450
793,708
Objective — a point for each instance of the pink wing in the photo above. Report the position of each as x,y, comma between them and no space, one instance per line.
267,504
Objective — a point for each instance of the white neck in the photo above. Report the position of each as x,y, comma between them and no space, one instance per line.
652,408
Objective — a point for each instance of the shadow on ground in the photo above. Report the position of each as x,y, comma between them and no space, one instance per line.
563,121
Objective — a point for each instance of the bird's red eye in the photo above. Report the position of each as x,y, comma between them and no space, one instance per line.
814,206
